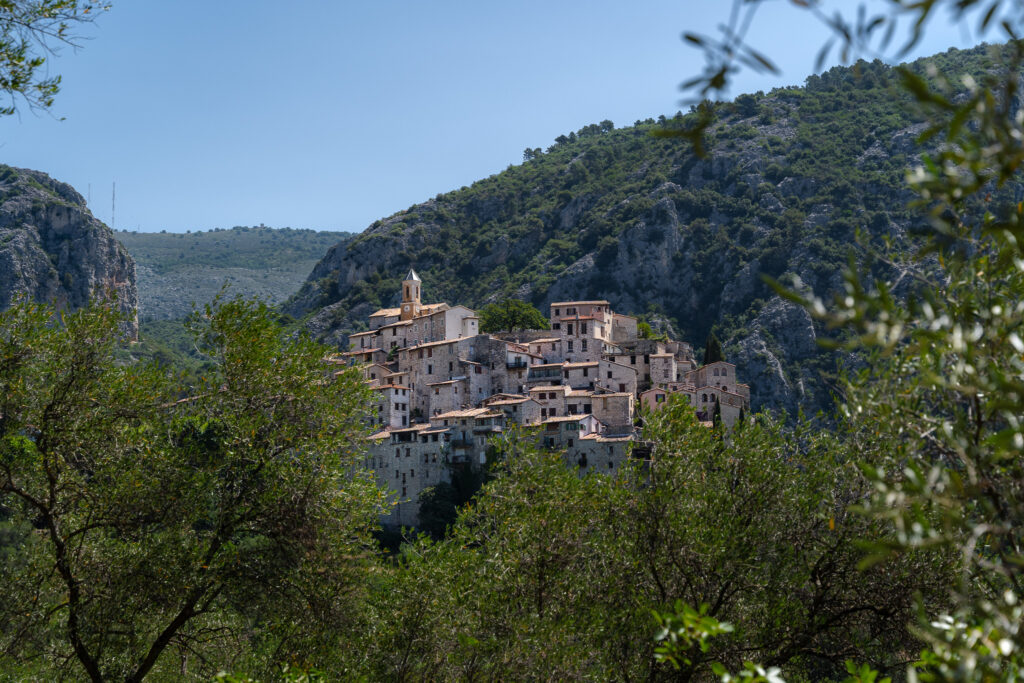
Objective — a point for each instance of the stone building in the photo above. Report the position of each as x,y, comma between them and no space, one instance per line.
443,391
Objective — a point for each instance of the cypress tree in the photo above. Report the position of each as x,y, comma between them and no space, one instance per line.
712,350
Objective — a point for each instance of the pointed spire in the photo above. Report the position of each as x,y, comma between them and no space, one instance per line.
412,276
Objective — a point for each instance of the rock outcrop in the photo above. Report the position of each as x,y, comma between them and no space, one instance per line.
643,222
52,249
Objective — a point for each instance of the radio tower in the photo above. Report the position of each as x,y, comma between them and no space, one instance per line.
113,205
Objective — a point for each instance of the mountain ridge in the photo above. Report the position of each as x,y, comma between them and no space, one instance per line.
641,221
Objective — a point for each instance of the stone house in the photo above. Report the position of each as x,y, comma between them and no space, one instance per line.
389,407
442,391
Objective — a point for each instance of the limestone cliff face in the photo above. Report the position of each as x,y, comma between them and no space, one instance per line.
643,222
53,250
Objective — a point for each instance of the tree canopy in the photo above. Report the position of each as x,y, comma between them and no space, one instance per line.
511,315
174,523
30,32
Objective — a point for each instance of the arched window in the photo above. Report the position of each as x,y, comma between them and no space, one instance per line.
704,398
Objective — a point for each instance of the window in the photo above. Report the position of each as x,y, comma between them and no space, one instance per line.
569,443
430,353
430,369
403,492
632,360
412,474
570,346
552,412
622,388
585,371
659,398
408,452
436,391
557,312
394,331
553,348
583,328
396,474
609,374
450,366
725,388
704,398
583,345
556,326
479,370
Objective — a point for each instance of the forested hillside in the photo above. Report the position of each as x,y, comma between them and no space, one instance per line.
177,269
642,221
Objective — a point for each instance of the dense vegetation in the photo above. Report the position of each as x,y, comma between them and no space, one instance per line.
177,269
153,527
644,222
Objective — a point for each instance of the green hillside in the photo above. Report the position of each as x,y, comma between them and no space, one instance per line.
640,220
177,269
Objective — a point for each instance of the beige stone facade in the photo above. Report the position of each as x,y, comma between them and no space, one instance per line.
443,391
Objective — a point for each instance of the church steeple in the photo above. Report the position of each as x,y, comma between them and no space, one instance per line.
410,296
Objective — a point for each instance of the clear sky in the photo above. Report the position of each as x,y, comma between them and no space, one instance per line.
329,114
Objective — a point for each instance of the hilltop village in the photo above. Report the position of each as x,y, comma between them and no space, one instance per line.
442,389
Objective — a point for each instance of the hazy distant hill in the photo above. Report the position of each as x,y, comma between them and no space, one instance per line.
620,214
177,269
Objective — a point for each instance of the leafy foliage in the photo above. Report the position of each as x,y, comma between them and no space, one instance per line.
511,315
937,414
553,573
29,31
172,529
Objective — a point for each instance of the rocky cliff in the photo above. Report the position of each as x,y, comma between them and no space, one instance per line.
643,222
53,250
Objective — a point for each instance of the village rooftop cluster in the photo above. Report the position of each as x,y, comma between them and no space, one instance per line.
442,389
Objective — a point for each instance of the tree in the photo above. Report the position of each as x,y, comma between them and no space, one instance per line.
552,572
175,526
712,350
511,315
937,413
30,30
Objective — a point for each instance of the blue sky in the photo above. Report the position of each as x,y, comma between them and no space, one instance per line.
329,114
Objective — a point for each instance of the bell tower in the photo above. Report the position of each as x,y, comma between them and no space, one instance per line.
410,296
